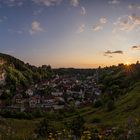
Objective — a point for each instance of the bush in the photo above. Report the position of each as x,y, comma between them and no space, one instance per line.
98,103
77,125
110,105
16,115
42,129
96,120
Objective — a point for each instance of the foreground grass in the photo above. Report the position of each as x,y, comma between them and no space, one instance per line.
20,129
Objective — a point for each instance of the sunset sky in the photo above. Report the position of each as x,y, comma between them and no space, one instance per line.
71,33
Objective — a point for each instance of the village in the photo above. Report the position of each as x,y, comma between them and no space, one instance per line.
61,92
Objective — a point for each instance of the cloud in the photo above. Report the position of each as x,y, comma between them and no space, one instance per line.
14,31
47,2
118,52
3,19
114,52
127,23
38,11
103,20
83,11
114,2
134,6
81,28
99,26
12,3
36,27
75,3
136,47
110,53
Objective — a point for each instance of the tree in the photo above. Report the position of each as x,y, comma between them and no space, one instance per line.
98,103
42,130
110,105
77,126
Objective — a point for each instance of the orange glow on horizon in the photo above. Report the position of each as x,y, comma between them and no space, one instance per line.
127,63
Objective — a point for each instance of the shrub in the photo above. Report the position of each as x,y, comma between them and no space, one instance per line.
96,120
110,105
98,103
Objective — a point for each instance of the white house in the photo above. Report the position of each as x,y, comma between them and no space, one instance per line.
58,107
57,93
29,92
2,76
34,100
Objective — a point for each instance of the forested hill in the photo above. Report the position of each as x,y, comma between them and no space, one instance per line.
118,80
20,74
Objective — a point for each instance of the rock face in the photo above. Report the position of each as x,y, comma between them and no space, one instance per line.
2,77
2,72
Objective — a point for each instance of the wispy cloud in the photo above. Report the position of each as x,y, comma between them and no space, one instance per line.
136,47
114,52
134,6
99,26
15,31
127,23
83,11
3,18
103,20
36,27
38,11
12,3
81,28
75,3
109,53
114,2
47,2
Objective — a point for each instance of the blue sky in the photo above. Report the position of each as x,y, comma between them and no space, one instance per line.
71,33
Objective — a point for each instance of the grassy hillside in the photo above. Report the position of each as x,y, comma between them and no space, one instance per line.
126,107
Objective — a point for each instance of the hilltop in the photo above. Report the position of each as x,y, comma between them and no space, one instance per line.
20,74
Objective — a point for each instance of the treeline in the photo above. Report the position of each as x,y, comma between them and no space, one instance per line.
74,71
